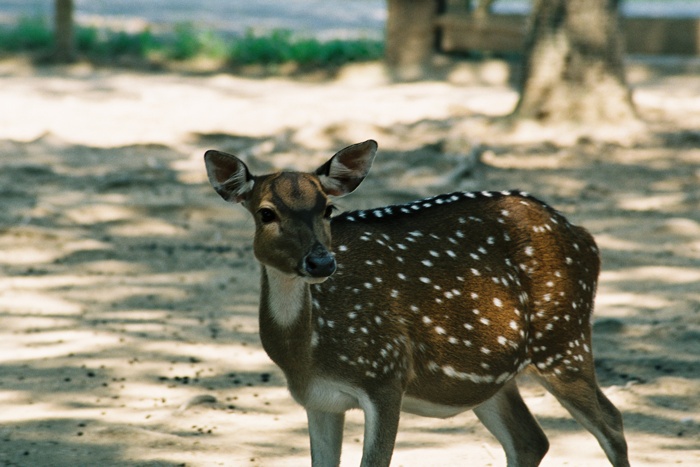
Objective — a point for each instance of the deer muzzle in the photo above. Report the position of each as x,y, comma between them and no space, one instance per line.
320,263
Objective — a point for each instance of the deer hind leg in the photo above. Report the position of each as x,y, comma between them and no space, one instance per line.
579,393
507,417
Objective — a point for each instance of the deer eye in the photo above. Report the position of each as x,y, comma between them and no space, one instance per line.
330,209
267,215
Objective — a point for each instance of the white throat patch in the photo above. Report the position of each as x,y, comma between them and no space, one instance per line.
288,299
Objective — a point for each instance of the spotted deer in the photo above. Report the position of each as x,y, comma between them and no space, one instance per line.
431,307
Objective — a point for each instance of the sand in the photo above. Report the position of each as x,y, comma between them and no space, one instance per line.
128,289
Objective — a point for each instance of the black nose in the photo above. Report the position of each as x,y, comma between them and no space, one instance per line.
320,265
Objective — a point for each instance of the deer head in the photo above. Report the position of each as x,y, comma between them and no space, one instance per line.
292,210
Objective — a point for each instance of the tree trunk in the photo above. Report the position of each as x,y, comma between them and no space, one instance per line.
410,37
64,36
573,69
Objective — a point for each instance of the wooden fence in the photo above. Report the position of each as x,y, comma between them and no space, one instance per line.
462,32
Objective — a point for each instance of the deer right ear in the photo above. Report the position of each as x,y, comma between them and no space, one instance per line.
228,175
347,168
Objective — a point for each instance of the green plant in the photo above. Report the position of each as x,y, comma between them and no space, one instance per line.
281,46
87,39
213,45
27,35
337,52
187,42
265,50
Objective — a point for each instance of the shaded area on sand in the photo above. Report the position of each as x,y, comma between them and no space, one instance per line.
129,288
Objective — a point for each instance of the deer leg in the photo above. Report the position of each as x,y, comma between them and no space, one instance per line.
582,397
326,433
382,411
507,417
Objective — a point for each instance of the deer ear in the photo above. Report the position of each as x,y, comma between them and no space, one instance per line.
228,175
347,168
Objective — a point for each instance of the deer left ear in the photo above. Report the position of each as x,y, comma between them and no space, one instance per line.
344,172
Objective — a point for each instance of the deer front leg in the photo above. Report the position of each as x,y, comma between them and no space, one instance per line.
382,411
326,433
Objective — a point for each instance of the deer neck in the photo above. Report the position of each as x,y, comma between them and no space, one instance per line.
285,321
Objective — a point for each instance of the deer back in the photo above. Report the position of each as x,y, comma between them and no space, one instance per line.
459,289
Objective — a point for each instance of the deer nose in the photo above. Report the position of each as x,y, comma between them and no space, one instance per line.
319,264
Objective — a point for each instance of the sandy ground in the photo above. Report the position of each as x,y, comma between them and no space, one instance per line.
128,291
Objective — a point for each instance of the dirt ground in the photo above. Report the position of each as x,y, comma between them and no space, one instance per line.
128,290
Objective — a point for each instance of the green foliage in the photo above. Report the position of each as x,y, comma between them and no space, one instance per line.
28,34
87,38
186,42
110,44
280,46
265,50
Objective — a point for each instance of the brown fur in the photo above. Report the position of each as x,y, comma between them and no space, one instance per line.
436,304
